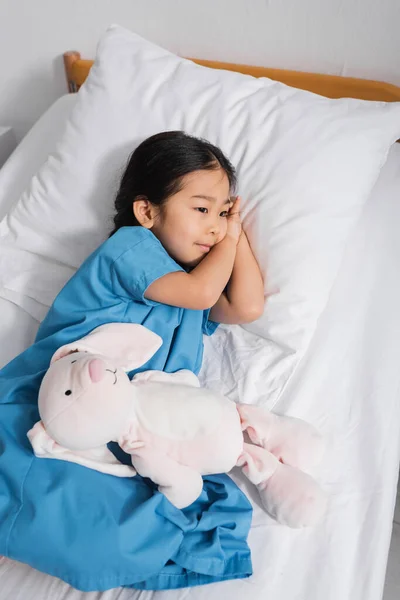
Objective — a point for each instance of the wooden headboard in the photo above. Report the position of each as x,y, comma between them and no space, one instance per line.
331,86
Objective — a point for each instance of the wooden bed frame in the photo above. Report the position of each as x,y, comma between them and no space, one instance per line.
331,86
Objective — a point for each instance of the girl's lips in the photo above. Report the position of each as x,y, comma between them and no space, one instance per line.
204,247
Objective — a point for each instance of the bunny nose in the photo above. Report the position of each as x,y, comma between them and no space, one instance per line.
96,370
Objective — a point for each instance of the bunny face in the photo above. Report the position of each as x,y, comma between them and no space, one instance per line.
85,400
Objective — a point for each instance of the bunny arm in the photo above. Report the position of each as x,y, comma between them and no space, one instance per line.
293,441
179,483
182,377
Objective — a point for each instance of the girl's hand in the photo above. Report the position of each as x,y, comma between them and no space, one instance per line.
234,223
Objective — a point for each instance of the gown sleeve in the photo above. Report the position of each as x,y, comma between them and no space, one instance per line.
138,266
208,326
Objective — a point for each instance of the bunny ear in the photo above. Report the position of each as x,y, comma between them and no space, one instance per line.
127,345
99,459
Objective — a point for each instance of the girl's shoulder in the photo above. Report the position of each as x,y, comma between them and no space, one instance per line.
125,239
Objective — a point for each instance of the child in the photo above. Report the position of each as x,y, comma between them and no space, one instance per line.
177,251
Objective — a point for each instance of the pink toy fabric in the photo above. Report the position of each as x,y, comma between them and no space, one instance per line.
174,430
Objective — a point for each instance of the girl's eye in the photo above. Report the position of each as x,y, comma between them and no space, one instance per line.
224,213
202,209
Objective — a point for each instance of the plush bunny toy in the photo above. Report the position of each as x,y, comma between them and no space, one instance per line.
174,430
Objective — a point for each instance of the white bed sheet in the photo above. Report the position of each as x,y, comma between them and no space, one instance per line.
348,384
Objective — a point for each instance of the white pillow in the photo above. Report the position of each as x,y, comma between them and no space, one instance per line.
306,165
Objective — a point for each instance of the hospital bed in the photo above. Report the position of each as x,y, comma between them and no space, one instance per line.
349,381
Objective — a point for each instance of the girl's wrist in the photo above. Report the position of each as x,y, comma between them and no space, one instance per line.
229,240
241,237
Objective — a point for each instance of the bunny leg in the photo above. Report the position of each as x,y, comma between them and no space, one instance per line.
179,483
293,441
290,496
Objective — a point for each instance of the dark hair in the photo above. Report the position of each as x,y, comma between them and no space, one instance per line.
156,169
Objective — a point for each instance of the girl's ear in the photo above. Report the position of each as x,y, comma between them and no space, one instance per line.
144,211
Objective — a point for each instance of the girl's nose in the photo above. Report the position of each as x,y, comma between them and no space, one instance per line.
96,370
214,228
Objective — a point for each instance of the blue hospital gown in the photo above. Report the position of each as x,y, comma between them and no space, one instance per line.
97,531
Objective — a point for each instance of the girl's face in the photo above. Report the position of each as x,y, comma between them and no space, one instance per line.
195,219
